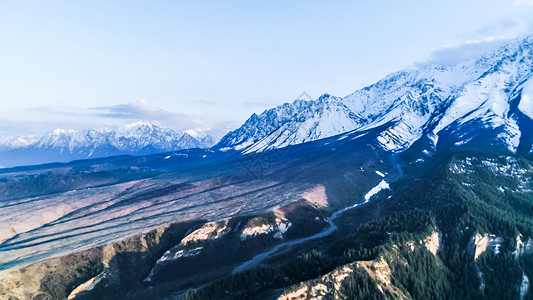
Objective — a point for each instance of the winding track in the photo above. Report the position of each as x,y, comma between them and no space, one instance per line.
329,230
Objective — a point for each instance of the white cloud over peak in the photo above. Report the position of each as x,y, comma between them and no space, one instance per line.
486,38
142,110
470,49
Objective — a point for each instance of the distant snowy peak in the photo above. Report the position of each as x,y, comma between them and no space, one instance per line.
209,134
139,138
19,142
144,124
409,104
132,137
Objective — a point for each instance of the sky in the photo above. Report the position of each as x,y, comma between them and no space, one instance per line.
211,64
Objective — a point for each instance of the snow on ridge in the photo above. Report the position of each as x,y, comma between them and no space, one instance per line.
142,123
19,142
138,134
526,102
293,123
411,103
139,138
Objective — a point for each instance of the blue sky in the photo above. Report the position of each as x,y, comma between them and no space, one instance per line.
201,64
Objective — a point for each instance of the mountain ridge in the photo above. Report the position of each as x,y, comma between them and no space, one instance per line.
62,145
415,103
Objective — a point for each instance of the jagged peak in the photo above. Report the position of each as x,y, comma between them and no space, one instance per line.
61,131
324,96
19,141
138,134
142,123
409,97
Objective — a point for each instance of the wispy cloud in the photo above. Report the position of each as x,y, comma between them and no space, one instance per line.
142,110
133,110
523,2
482,40
471,49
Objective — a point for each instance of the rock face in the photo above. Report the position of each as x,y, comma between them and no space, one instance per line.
192,244
523,247
87,286
265,226
211,230
382,273
432,242
331,285
480,243
327,285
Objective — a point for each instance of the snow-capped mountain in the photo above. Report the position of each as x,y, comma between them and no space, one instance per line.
65,145
492,94
293,123
208,136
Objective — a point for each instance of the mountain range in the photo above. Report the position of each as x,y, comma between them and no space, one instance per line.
441,104
62,145
411,105
419,186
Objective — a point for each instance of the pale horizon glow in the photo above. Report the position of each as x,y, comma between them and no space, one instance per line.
191,65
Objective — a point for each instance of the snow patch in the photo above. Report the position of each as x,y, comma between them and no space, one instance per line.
526,103
278,228
380,174
383,185
179,254
524,287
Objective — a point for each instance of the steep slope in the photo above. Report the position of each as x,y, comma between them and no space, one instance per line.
294,123
63,145
455,228
413,105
